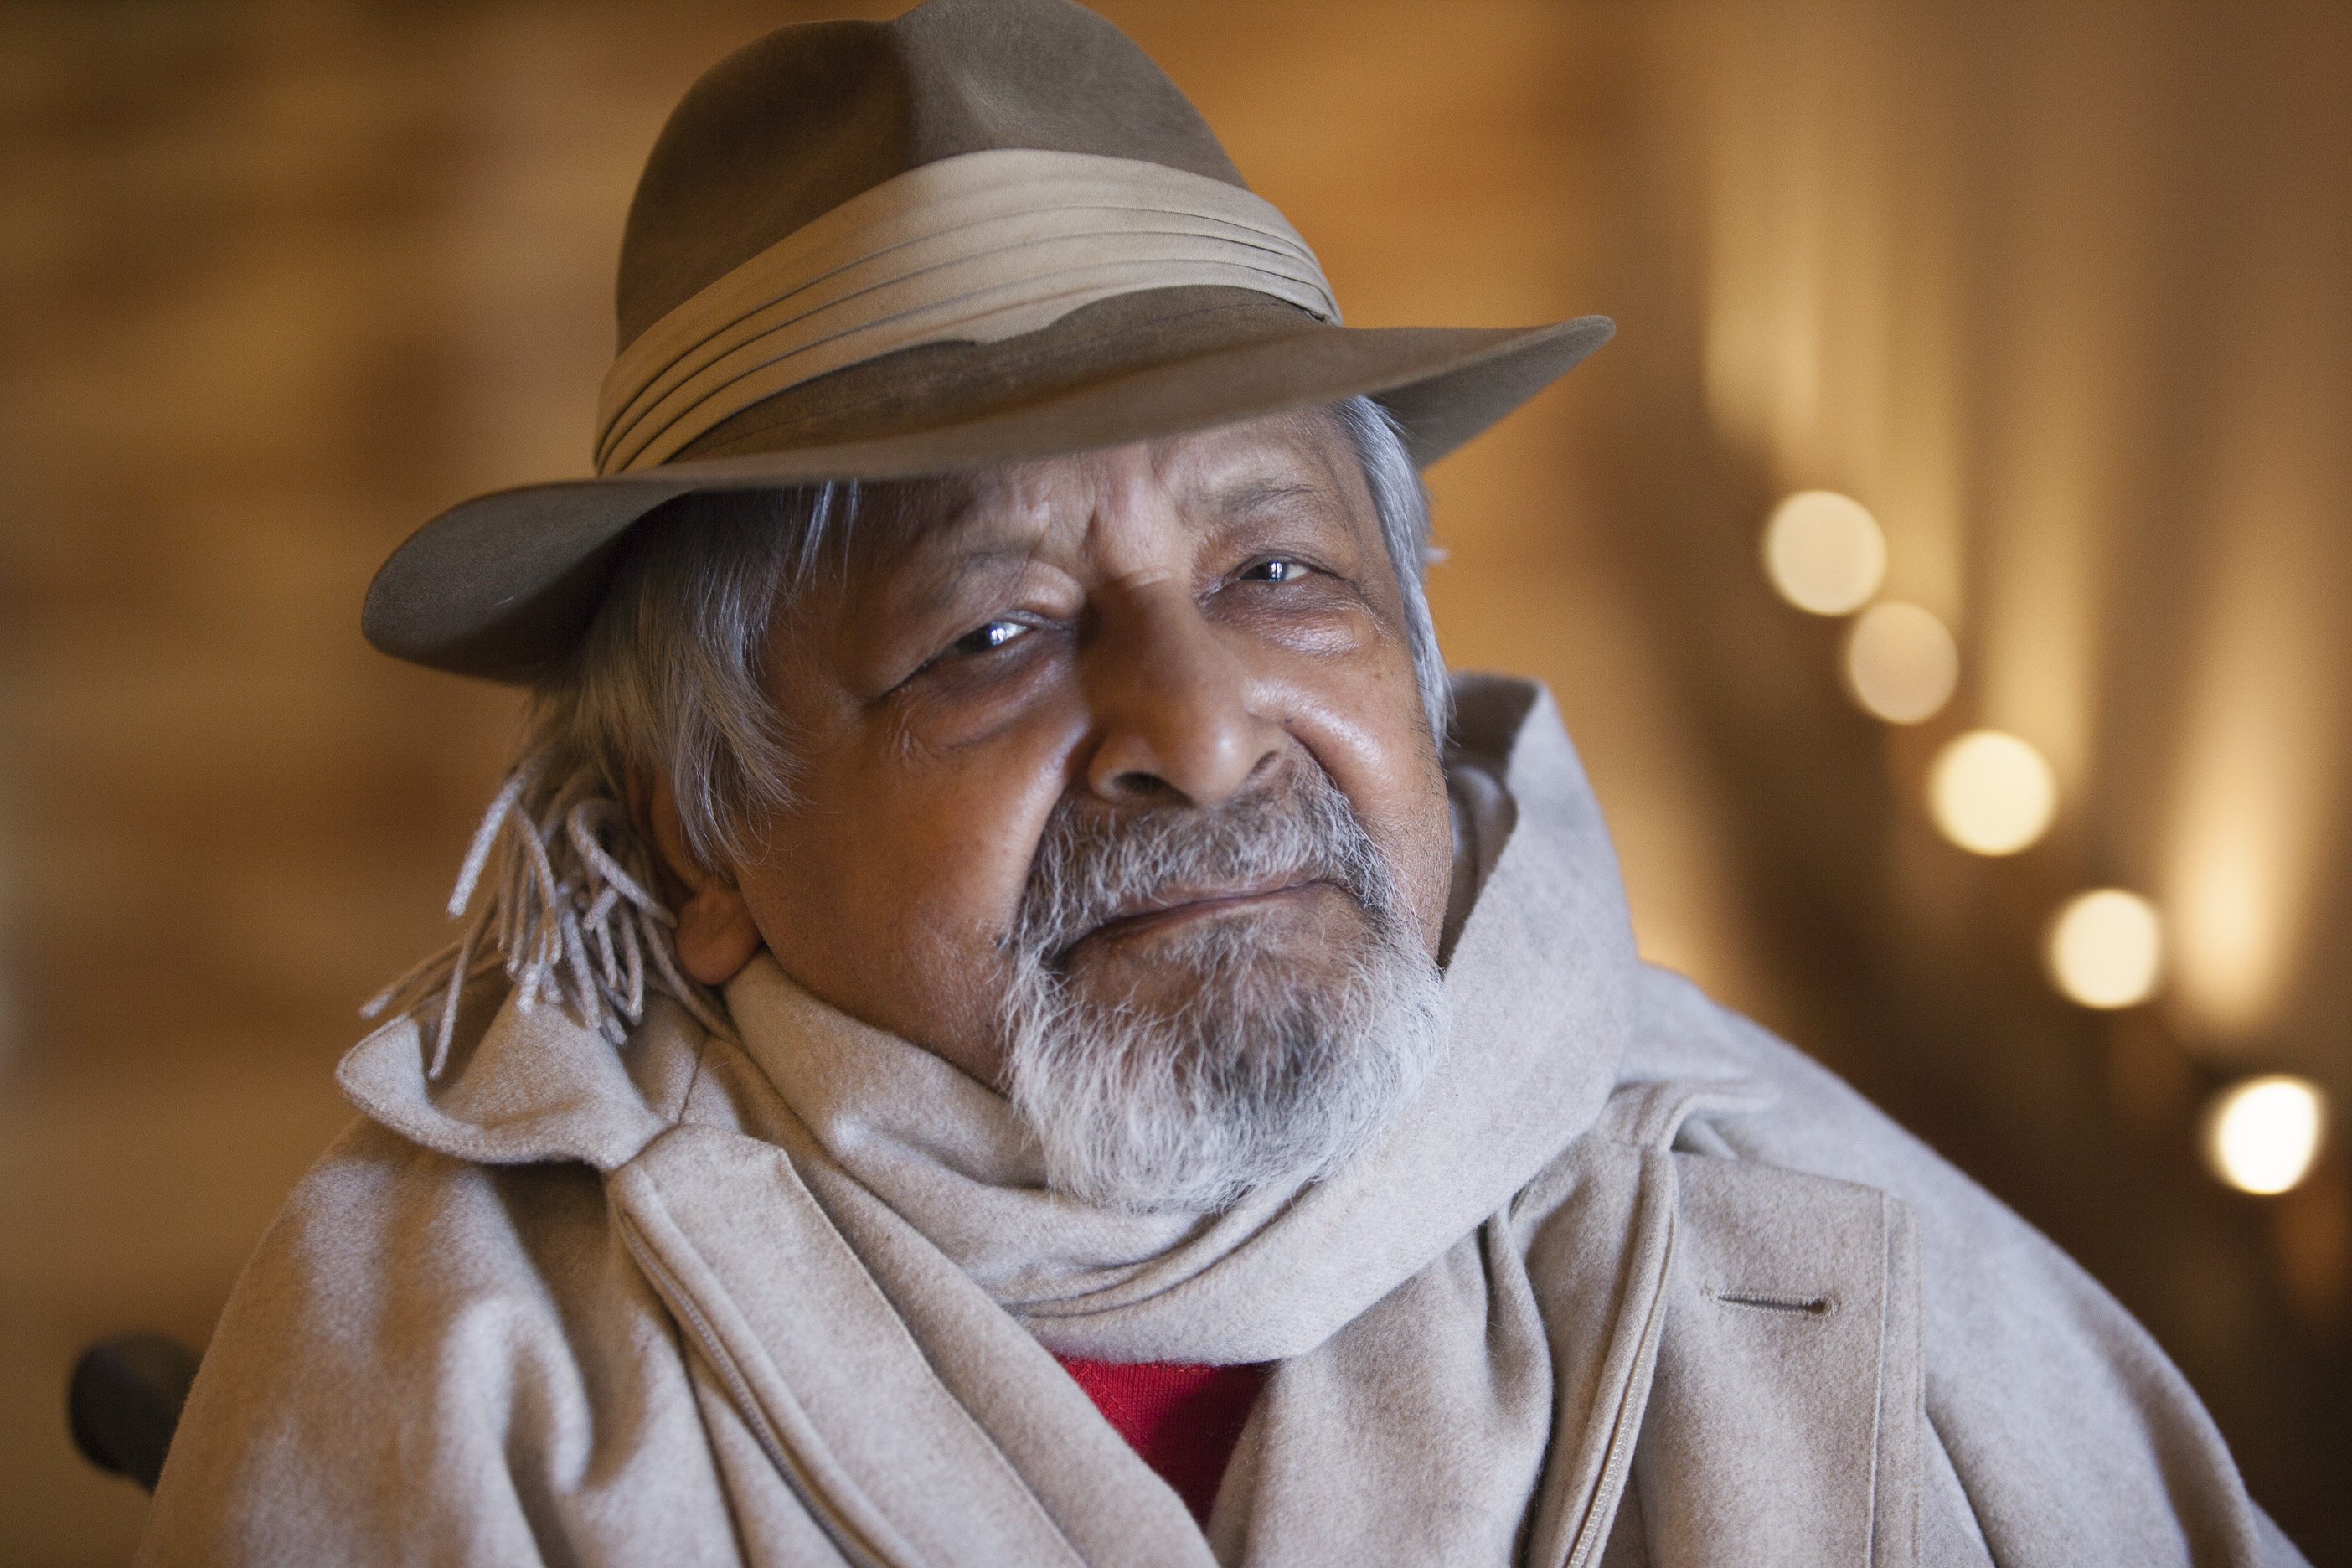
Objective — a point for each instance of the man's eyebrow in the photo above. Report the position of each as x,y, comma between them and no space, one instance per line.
1257,495
967,545
963,539
984,559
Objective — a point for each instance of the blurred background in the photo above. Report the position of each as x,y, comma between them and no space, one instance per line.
1961,524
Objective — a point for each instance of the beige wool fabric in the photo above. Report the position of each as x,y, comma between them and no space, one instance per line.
1632,1283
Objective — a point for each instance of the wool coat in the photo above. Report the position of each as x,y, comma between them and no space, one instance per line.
1632,1283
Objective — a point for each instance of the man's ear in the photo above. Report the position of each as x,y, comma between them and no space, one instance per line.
716,933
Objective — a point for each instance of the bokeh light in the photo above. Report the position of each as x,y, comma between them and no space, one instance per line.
2106,949
1824,553
1991,793
1900,662
2262,1135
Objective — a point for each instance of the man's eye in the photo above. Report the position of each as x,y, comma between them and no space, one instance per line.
1276,570
991,636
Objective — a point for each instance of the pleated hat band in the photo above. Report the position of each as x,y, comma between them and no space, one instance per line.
974,248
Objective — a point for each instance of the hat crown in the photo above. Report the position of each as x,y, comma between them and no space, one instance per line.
798,121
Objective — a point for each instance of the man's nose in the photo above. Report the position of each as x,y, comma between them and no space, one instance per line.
1171,702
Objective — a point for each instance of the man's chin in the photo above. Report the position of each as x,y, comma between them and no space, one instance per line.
1183,1073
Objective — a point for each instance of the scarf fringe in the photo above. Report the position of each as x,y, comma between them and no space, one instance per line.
566,915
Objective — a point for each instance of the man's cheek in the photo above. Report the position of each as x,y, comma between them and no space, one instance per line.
953,883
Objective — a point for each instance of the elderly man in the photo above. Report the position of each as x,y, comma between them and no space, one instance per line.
1008,1013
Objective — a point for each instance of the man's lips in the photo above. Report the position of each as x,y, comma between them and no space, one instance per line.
1176,909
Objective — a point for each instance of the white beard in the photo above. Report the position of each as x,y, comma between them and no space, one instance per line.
1269,1071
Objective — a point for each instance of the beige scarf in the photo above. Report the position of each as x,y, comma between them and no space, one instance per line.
1469,1320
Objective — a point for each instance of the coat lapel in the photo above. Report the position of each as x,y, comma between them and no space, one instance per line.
1785,1414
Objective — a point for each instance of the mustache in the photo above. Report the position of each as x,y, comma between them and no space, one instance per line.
1094,865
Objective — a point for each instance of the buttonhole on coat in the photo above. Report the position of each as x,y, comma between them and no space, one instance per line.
1767,1301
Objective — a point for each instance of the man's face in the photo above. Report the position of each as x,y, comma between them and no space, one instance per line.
1202,629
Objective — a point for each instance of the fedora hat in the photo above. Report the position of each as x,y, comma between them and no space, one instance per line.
985,232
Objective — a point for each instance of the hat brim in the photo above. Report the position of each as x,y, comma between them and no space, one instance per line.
503,585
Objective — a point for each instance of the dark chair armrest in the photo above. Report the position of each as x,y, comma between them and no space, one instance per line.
123,1403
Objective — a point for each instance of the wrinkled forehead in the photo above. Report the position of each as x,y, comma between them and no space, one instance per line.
1193,481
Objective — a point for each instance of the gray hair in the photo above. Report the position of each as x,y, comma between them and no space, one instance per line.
668,680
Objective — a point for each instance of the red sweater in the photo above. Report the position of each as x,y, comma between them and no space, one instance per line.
1183,1420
